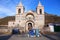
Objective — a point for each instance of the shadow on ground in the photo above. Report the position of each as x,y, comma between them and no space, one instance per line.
49,37
52,37
5,37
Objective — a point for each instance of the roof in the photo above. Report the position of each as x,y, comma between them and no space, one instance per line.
20,4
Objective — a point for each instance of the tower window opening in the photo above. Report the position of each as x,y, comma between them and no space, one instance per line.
19,11
40,11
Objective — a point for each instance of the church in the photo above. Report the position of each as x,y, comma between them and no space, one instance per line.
25,21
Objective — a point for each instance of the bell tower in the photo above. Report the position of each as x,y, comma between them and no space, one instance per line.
20,9
40,9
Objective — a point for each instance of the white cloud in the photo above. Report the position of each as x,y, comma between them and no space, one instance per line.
6,11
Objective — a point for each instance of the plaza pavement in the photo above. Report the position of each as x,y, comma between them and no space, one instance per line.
24,37
19,37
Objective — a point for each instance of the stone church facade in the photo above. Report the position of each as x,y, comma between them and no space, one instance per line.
28,20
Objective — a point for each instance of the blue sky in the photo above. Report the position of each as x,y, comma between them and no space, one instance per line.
8,7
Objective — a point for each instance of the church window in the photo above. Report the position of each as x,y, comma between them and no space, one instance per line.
19,11
40,11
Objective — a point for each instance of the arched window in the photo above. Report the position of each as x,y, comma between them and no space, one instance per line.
30,16
40,11
19,10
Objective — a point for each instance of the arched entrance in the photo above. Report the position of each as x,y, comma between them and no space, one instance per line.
29,25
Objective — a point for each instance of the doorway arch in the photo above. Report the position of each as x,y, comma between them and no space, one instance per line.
29,25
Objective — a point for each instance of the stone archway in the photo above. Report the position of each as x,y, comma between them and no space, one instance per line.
29,25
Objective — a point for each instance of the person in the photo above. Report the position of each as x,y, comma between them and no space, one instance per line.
31,33
37,33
